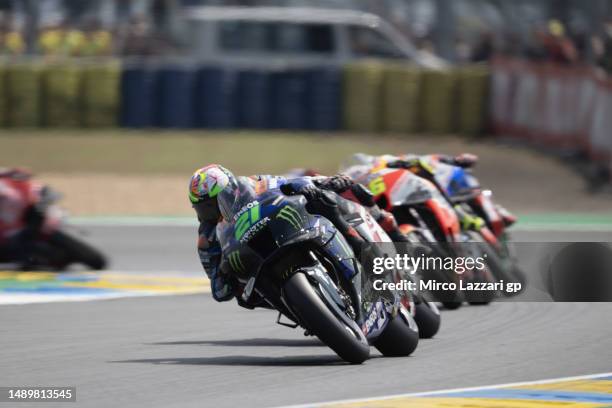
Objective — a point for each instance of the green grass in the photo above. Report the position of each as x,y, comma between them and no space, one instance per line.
178,152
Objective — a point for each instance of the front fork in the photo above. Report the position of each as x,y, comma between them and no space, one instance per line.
470,222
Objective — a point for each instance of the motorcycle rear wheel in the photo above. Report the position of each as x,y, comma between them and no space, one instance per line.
398,339
450,299
427,319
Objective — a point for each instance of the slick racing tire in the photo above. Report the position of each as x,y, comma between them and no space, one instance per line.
398,339
450,299
77,251
508,254
481,297
316,316
427,317
451,305
502,265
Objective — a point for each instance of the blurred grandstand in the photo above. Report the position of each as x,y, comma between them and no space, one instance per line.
533,70
460,30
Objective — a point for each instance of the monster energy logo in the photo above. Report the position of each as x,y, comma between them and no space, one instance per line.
291,215
236,262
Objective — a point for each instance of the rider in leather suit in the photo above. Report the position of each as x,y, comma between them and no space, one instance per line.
320,192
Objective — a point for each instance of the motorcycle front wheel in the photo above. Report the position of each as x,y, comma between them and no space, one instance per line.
77,251
317,317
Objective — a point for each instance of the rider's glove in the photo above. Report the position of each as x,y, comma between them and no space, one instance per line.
465,160
363,195
309,191
403,163
338,183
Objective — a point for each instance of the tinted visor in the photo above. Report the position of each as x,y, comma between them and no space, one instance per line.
207,210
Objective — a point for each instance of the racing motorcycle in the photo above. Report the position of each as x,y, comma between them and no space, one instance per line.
298,264
425,313
477,211
426,217
50,245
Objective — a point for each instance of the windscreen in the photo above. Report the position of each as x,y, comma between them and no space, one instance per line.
232,200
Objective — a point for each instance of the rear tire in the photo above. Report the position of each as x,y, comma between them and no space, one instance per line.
77,251
427,319
503,266
452,305
316,316
451,299
398,339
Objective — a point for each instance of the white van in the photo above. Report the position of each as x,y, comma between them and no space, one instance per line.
258,36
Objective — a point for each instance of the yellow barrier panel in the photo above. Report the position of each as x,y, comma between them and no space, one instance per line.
401,89
61,95
23,95
438,101
101,94
3,104
473,91
362,97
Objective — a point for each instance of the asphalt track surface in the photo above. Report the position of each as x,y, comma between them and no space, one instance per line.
191,351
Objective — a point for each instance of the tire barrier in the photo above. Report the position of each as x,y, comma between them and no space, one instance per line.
360,97
61,88
439,101
401,97
288,100
216,98
138,96
253,102
473,96
564,109
23,95
323,99
101,94
3,102
176,97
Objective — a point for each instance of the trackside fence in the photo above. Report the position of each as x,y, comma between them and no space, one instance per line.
565,109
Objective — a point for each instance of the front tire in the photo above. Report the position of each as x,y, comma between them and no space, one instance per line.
76,250
316,316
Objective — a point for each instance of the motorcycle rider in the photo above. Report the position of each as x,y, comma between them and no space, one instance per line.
429,163
19,220
463,160
209,182
349,189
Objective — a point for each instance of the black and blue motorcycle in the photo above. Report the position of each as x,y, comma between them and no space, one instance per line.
300,265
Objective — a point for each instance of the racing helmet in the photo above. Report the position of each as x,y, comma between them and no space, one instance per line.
205,186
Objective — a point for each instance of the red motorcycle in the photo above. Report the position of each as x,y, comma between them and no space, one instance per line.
479,214
426,217
31,227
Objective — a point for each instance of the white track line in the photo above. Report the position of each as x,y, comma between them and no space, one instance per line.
450,391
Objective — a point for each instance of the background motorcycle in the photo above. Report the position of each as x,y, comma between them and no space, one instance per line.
48,245
479,214
425,216
425,313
